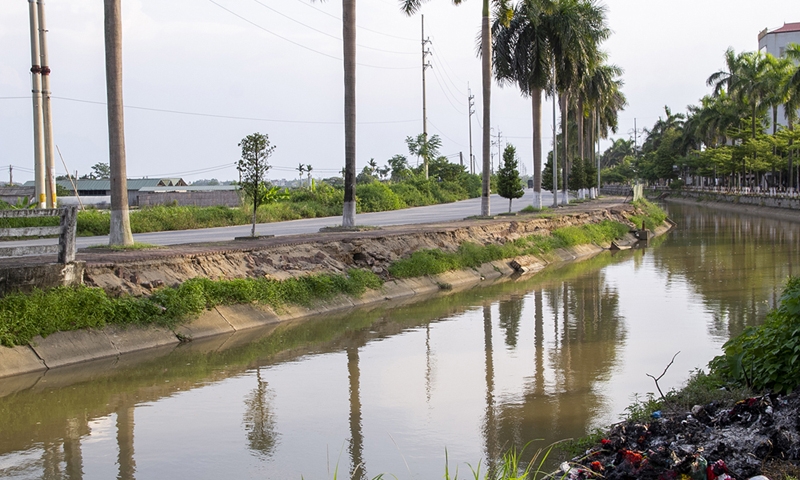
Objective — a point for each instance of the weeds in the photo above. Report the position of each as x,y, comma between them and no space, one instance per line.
23,316
470,255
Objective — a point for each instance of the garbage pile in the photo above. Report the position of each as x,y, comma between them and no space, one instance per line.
708,443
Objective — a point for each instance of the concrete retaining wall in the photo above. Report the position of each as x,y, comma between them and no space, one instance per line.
790,203
25,278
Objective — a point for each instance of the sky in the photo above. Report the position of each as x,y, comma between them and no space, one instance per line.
200,75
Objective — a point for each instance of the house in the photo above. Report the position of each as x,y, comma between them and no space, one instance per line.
102,187
775,42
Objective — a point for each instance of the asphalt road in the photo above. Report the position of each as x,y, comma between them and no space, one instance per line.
429,214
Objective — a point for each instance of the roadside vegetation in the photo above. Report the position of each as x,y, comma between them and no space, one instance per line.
23,316
734,137
470,255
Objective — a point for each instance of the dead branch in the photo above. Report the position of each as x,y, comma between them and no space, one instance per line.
656,379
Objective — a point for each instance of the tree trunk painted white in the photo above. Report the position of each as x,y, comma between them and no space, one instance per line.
349,50
120,232
486,76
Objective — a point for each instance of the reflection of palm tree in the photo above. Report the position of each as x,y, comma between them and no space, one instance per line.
357,467
259,421
490,421
127,464
510,316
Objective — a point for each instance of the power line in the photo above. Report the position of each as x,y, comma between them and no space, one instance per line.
359,26
195,172
445,135
328,34
300,44
232,117
447,67
436,77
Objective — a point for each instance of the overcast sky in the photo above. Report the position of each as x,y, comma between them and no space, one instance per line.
235,67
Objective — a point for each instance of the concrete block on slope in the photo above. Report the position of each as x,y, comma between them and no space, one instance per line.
65,348
18,360
133,338
209,323
242,317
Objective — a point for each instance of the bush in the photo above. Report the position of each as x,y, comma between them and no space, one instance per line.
377,197
768,356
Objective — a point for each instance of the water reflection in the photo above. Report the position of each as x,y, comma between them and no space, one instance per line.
737,263
476,372
259,421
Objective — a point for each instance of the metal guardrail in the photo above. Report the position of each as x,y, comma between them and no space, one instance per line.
68,217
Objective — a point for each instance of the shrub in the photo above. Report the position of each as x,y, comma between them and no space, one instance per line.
377,197
768,356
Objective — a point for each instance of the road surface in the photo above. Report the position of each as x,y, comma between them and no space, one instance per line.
430,214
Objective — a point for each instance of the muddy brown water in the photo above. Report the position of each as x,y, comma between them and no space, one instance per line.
394,390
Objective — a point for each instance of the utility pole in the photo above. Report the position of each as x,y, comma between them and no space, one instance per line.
47,118
471,101
461,158
425,65
10,175
38,121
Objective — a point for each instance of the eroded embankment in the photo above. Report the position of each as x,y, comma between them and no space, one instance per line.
281,258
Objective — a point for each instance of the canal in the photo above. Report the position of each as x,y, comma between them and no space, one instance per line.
396,390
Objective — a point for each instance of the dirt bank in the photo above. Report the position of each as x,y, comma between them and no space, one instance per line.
141,272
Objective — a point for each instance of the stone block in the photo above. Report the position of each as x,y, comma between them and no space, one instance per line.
18,360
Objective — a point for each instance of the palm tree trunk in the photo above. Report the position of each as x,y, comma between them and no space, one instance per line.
486,77
536,108
349,36
791,166
120,231
564,102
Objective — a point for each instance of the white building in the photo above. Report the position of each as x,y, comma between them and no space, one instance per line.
775,42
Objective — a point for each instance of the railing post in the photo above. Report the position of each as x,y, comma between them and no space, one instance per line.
69,220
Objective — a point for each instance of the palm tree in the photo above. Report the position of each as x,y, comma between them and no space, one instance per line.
792,103
522,56
603,91
349,55
412,6
120,231
576,28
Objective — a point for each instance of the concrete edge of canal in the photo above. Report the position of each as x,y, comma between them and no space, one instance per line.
74,347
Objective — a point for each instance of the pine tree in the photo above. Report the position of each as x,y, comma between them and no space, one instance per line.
509,185
547,175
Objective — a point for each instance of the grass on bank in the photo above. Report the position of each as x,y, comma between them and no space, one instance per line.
23,316
470,255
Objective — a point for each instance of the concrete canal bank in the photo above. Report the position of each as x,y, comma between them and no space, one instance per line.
141,272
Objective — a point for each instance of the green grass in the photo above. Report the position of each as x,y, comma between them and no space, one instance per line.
470,255
652,215
23,316
123,248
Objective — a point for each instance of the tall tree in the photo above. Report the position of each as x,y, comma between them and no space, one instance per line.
503,11
792,104
522,56
120,231
576,29
349,51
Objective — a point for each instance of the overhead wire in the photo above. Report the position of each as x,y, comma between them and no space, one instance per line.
300,44
233,117
328,34
438,82
446,66
445,135
358,26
